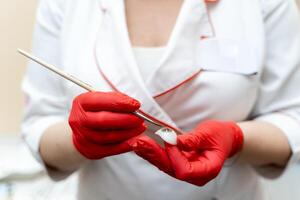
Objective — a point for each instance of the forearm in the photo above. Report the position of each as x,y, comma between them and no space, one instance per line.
57,149
264,144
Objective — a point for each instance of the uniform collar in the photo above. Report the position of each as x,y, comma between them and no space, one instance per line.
116,61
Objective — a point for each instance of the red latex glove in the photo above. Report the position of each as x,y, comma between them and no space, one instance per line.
198,156
103,124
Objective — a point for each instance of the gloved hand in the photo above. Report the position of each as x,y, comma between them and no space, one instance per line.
103,123
198,156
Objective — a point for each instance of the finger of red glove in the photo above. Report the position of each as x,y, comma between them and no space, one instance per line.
95,151
206,167
149,150
226,136
108,101
105,120
190,142
112,136
180,164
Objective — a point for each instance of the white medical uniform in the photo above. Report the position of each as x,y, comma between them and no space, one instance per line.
229,60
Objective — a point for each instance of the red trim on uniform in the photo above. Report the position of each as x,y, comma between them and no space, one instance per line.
103,9
161,122
115,89
211,1
178,85
202,37
103,75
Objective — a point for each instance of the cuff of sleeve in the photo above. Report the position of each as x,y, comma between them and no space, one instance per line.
290,127
32,133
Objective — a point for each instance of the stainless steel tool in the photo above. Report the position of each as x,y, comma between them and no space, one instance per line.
163,131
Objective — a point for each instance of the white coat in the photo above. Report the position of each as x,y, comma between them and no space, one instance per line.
228,60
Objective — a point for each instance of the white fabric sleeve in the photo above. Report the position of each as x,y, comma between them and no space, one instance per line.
45,104
279,95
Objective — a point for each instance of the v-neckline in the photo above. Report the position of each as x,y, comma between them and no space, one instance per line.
168,47
115,59
178,58
171,35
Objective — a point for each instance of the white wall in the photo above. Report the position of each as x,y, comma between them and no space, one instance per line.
16,24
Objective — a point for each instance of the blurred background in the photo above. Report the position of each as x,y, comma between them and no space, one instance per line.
20,176
16,19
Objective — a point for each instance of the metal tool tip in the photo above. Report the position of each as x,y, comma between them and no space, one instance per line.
20,51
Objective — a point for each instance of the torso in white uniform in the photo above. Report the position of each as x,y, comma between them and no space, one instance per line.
223,61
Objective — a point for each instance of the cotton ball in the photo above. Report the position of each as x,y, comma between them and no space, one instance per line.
168,135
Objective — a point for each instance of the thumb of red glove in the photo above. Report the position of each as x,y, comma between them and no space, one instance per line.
225,137
214,142
103,123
